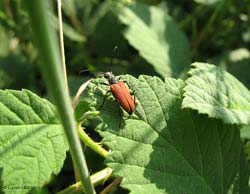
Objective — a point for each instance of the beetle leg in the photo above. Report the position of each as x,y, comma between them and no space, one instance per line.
120,113
104,84
125,82
120,122
133,92
134,100
105,96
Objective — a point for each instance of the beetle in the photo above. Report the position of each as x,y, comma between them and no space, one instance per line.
120,92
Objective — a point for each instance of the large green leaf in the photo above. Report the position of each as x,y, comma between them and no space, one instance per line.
212,91
162,148
155,35
32,144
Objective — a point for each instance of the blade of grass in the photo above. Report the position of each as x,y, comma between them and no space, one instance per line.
47,43
60,28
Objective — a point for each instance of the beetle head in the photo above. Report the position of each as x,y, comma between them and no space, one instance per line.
110,77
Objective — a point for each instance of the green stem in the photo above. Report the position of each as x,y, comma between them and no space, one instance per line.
111,185
47,43
61,41
96,179
90,143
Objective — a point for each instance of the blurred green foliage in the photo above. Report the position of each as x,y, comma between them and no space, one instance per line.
92,29
216,30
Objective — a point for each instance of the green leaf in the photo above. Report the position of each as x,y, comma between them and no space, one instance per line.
212,91
162,148
32,142
156,36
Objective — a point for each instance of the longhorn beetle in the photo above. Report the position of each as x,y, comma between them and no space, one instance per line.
120,92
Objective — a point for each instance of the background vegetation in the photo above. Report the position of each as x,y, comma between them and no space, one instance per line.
160,38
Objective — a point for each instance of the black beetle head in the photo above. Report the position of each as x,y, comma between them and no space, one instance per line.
110,77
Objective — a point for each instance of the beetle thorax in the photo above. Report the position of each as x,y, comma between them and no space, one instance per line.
111,78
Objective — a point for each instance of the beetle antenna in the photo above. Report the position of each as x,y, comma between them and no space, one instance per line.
115,49
88,72
83,71
112,58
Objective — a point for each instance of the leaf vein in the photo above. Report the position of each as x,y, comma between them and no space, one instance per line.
27,105
11,111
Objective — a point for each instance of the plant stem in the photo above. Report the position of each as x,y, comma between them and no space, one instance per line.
96,179
60,28
111,185
90,143
47,43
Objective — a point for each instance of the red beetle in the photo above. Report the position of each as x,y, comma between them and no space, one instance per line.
120,92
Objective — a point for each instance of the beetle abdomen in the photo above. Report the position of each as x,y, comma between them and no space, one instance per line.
121,93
